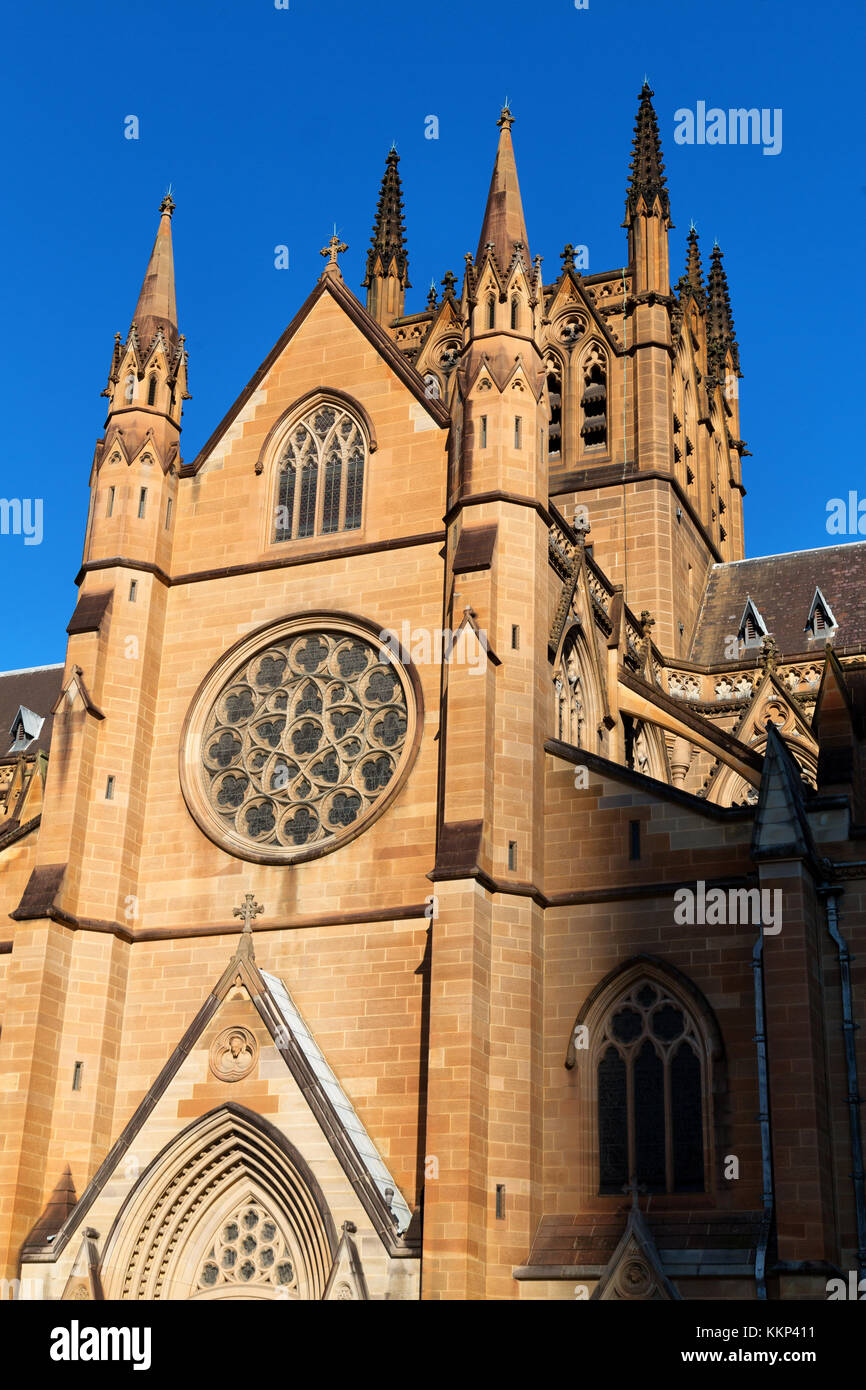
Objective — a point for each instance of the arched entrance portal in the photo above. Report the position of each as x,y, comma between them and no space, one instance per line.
228,1209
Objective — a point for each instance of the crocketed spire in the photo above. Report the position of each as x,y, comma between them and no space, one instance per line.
388,242
720,320
647,166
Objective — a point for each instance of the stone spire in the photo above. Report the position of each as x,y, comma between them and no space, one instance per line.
388,241
387,277
647,179
156,307
720,321
504,226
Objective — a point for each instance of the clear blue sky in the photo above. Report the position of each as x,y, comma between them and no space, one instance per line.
273,124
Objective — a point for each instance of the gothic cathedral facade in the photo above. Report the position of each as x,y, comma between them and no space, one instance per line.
437,869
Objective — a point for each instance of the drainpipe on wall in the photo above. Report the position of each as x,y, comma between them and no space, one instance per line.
767,1195
849,1028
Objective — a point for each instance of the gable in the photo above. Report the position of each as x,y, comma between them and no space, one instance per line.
248,1096
330,304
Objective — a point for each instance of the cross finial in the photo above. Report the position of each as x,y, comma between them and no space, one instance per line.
506,120
334,248
249,911
168,203
635,1188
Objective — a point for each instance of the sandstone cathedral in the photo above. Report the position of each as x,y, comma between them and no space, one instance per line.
338,962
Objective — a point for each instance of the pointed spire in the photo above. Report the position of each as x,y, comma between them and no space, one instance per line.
156,306
388,241
694,271
720,320
504,226
647,166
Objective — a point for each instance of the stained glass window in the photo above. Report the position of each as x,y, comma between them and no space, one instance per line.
304,739
320,476
650,1090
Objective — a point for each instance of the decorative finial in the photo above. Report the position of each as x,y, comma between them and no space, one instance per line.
249,911
567,256
449,280
506,120
431,296
334,248
168,203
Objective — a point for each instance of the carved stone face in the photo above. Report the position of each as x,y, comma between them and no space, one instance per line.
233,1054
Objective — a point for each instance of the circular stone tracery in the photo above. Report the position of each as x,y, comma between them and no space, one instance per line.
301,743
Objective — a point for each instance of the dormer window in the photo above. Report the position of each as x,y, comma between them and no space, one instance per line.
26,727
820,622
753,629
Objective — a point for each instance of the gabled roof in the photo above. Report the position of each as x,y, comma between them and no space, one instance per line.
783,587
376,336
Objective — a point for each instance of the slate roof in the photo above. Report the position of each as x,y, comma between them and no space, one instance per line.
782,588
37,688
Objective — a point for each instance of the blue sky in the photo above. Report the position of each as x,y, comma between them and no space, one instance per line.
273,124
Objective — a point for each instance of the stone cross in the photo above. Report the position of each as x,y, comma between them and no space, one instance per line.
635,1188
249,911
334,248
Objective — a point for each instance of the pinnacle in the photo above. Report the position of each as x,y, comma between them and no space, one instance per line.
694,270
388,242
720,320
647,177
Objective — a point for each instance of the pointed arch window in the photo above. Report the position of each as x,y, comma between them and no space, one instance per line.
320,475
491,312
651,1091
593,401
129,389
554,394
151,390
515,311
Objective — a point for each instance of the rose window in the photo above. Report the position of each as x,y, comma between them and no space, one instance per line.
303,742
250,1251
